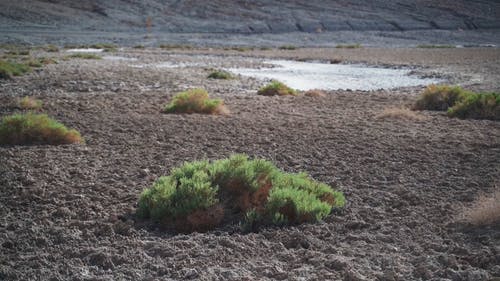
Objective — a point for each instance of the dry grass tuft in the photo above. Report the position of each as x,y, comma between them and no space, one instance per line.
30,103
401,113
315,93
485,211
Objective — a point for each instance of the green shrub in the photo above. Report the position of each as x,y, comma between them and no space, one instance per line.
30,103
107,47
442,97
9,69
139,47
32,128
200,195
348,46
287,47
477,106
195,101
85,56
276,88
220,74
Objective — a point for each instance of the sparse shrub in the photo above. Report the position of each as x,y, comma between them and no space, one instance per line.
401,113
200,195
195,101
442,97
265,48
335,61
19,52
485,210
84,56
29,128
220,74
51,48
8,69
30,103
276,88
287,47
348,46
139,47
477,106
107,47
315,93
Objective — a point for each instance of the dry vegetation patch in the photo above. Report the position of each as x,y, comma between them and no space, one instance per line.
401,113
29,128
30,103
485,210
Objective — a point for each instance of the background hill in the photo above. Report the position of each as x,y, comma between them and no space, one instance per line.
247,17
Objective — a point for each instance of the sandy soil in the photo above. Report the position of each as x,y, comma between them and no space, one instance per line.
66,212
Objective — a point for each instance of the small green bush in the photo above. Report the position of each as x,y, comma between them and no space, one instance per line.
8,69
84,56
440,98
220,74
276,88
200,195
139,47
195,101
477,106
19,52
29,128
287,47
348,46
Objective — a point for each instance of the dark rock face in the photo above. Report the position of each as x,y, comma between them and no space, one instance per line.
243,16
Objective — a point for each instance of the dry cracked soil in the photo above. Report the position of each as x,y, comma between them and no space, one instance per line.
67,212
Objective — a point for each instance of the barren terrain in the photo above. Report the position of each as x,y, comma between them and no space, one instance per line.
67,212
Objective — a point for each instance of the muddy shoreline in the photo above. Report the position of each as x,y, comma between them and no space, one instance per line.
66,210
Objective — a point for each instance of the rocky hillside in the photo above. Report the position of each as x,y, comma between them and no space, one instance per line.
250,16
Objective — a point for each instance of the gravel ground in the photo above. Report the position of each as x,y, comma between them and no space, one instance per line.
66,212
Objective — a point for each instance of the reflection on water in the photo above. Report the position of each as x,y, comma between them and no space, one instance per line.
307,76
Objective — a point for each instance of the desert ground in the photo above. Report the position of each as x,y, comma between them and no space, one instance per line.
68,212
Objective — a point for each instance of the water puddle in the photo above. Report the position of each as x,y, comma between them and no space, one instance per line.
169,65
85,50
306,76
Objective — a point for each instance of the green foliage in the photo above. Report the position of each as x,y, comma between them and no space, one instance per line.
194,101
107,47
85,56
348,46
220,74
9,69
139,47
477,106
287,47
32,128
426,46
257,189
440,97
276,88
